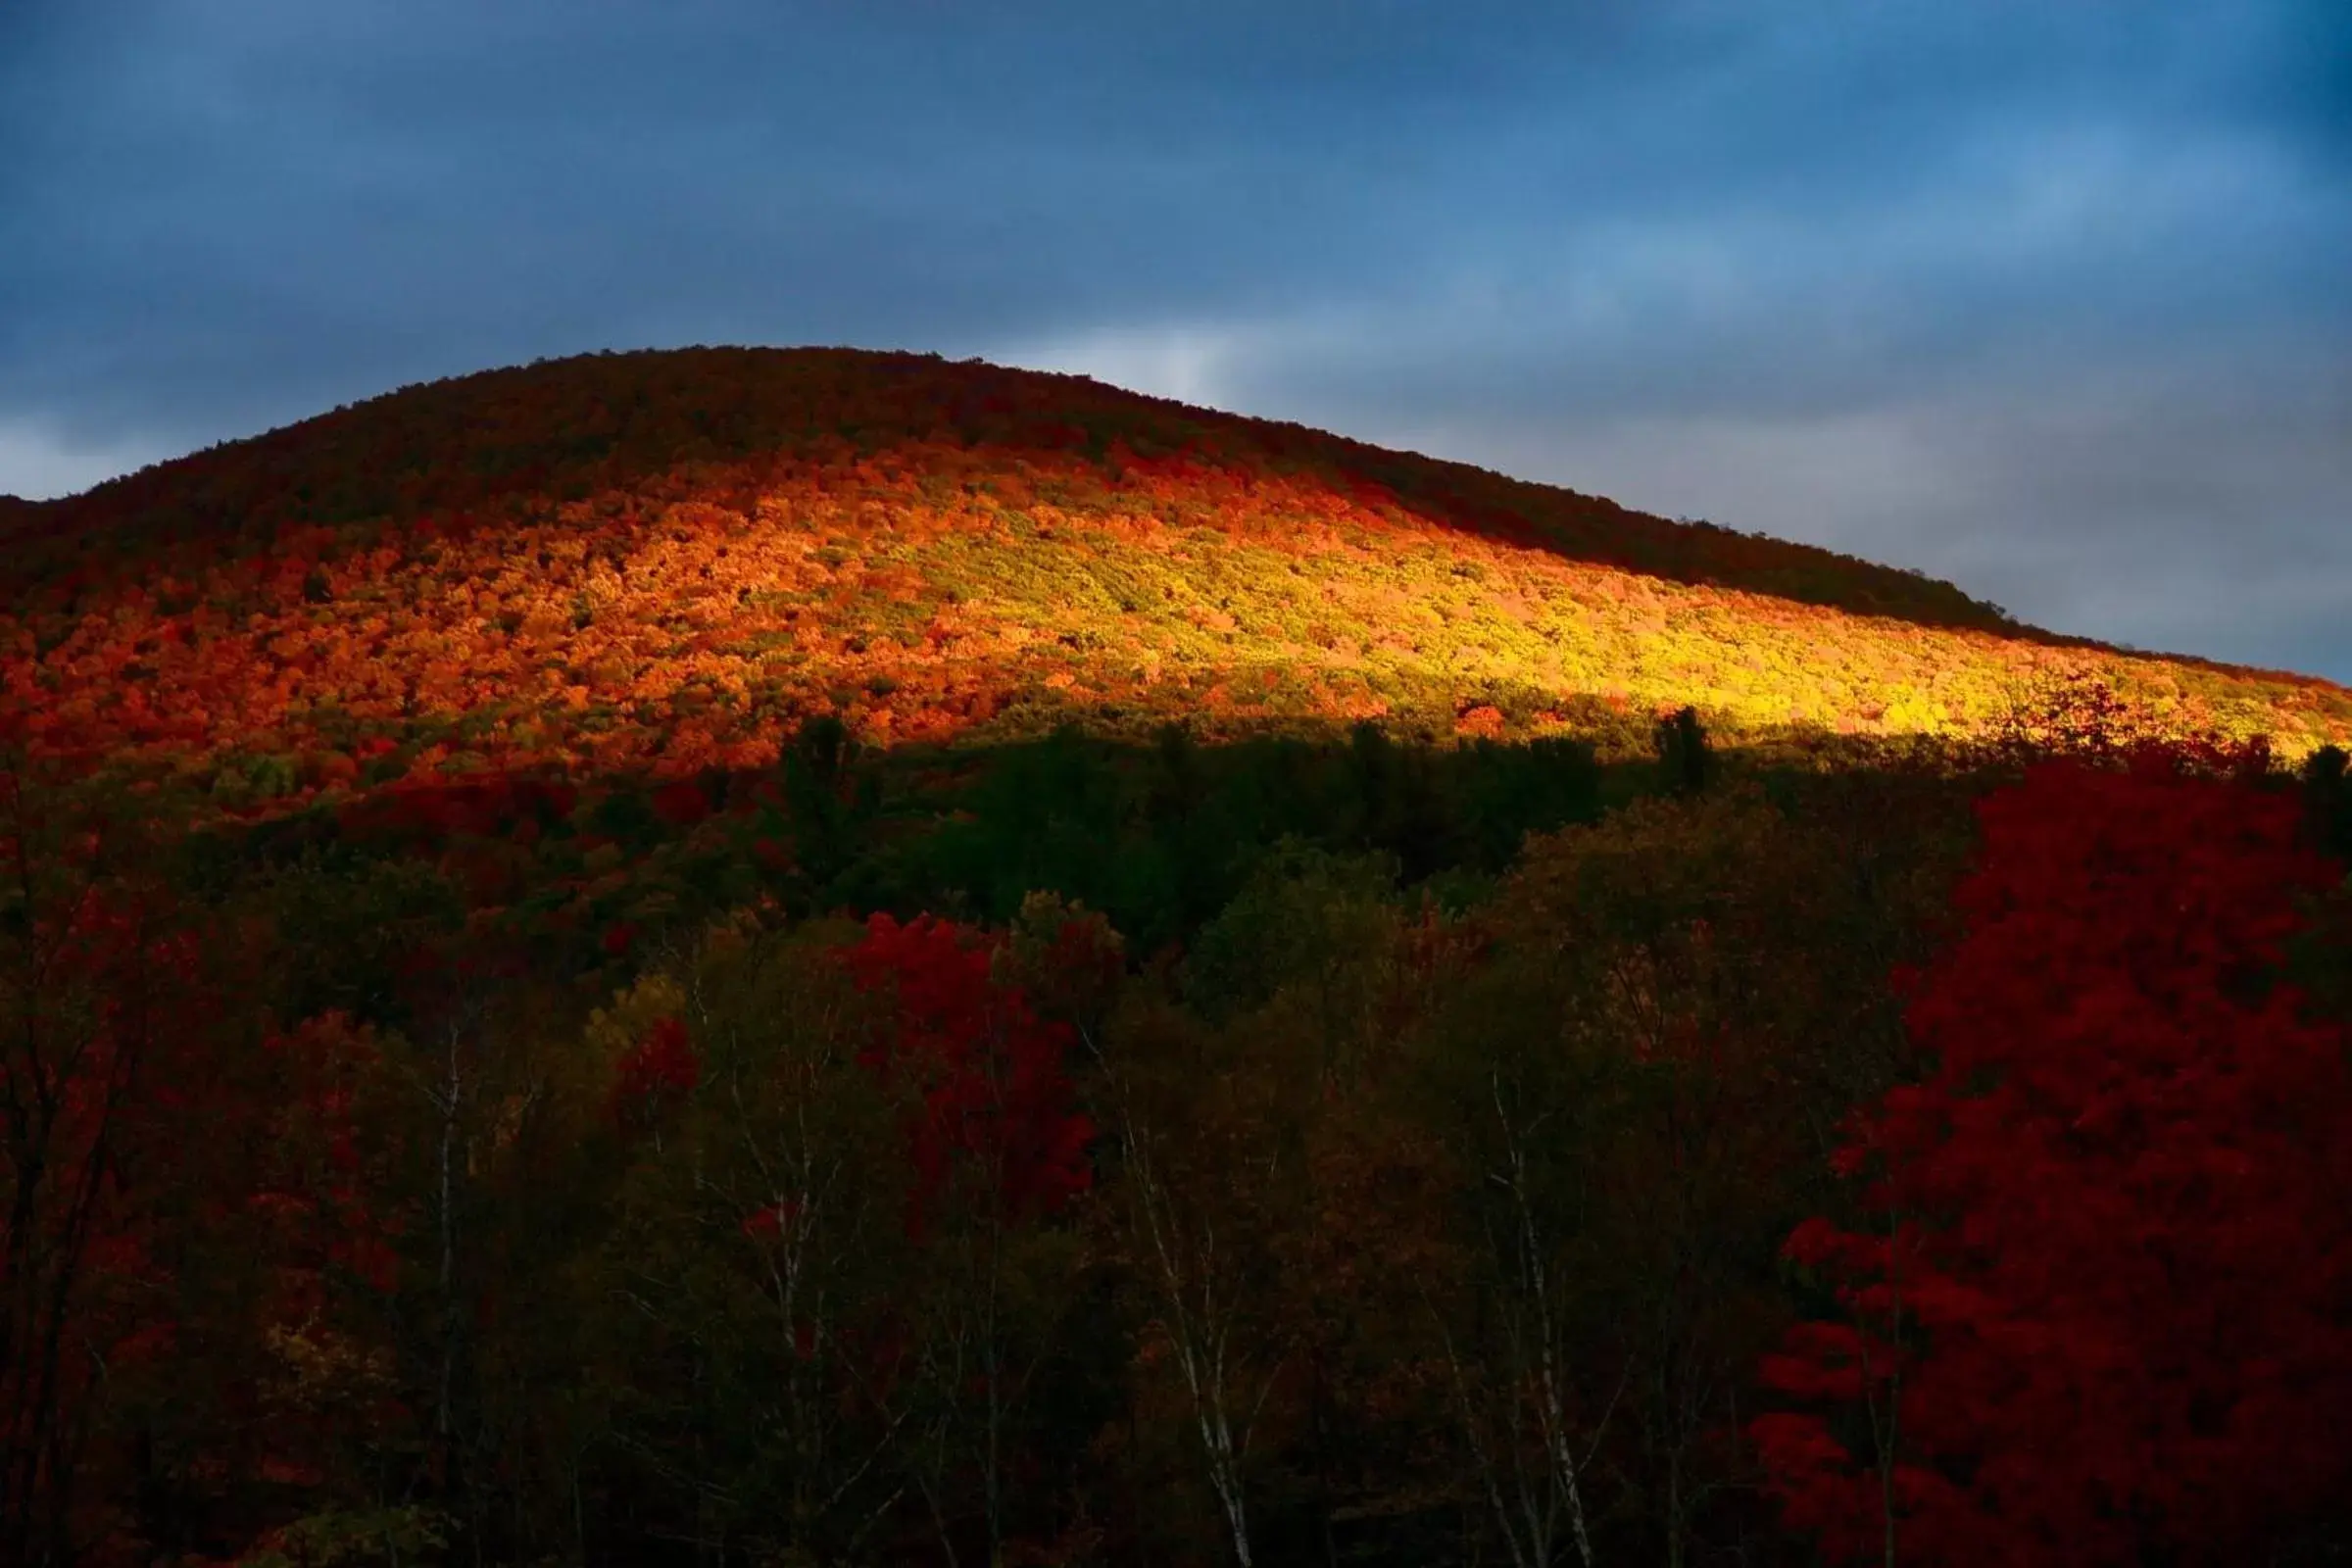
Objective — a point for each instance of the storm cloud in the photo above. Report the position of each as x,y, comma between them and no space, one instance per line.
2048,299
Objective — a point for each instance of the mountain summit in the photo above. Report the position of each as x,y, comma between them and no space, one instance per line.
669,559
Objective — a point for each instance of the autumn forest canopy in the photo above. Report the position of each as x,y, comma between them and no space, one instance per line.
798,957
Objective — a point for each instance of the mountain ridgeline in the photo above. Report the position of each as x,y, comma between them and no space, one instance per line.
671,559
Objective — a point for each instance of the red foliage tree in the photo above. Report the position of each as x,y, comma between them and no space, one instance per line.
316,1191
681,803
101,1029
654,1073
996,1089
2103,1310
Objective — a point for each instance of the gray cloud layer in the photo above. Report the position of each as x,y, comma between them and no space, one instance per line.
2048,299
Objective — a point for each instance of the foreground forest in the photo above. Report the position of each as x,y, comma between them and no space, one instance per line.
1254,1155
822,959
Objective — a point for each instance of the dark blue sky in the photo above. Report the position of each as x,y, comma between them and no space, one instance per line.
2050,298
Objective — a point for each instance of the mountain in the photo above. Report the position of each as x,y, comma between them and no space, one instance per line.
668,560
501,1075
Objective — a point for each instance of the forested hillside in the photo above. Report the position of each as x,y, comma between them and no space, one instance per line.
669,561
822,959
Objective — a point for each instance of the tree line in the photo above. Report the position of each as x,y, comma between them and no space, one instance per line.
1365,1153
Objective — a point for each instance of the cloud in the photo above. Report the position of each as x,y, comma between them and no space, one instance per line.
37,465
2041,296
1189,364
2195,506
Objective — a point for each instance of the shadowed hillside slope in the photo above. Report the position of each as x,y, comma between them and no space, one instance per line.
671,559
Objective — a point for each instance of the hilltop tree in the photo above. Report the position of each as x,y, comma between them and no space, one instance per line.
829,800
1681,744
2328,792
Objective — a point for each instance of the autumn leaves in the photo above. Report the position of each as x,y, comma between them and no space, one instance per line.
2092,1306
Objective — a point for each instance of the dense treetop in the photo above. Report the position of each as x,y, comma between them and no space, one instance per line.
573,427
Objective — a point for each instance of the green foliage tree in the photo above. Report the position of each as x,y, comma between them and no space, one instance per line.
756,1255
1683,757
830,802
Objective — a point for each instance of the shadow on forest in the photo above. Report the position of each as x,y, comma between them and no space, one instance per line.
1337,1150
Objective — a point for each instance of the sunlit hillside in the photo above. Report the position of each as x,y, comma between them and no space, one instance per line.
828,958
672,559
